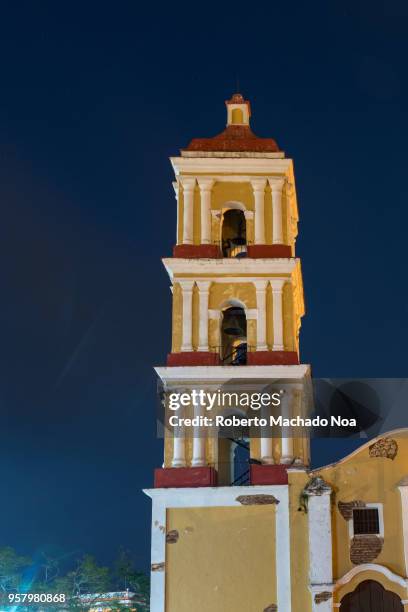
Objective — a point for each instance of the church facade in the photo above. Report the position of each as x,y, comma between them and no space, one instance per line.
242,524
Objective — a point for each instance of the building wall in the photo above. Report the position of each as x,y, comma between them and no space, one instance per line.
364,478
224,559
369,479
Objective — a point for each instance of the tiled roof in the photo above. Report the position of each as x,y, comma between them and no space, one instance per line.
234,138
237,98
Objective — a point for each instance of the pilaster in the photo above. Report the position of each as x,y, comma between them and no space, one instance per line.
204,291
277,222
258,186
260,288
205,185
403,489
188,184
320,544
187,328
277,304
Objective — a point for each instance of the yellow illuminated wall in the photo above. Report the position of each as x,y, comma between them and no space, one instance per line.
226,556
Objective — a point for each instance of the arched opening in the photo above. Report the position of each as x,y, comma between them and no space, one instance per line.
237,116
233,453
369,596
234,242
234,336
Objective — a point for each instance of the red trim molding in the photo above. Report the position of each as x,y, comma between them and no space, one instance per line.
166,478
197,251
204,358
273,358
268,474
267,251
193,358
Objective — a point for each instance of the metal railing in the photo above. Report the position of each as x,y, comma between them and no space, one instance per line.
234,247
242,479
237,356
243,466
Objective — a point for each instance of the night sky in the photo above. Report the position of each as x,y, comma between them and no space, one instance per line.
94,98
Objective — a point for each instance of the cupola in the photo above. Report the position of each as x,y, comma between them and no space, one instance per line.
238,110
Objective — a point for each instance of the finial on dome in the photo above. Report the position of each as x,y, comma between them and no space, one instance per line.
238,110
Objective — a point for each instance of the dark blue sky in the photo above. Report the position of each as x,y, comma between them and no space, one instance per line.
94,98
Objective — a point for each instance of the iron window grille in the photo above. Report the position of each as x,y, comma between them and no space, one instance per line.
366,521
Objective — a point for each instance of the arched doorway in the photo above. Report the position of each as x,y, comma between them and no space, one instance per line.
370,596
234,242
234,336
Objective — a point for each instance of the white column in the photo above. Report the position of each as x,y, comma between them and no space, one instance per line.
286,434
277,304
206,186
283,553
266,439
258,186
403,489
260,287
277,232
198,459
266,451
204,291
300,396
187,329
158,556
320,543
179,447
176,188
188,203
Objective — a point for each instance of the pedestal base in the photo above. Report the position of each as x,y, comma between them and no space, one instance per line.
273,358
167,478
197,251
268,474
269,251
193,358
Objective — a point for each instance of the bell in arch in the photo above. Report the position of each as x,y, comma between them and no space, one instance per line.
234,322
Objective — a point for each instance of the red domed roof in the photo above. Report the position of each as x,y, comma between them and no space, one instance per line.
236,137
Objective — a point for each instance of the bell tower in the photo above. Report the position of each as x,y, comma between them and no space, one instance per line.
237,306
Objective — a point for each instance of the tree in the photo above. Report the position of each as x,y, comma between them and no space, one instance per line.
87,577
82,586
11,569
128,577
50,567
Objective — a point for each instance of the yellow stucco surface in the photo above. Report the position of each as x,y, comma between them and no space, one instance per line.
232,192
372,480
224,559
228,194
177,318
219,296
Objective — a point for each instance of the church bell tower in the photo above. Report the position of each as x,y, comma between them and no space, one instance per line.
220,518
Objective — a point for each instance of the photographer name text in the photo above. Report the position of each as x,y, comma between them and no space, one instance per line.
234,421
